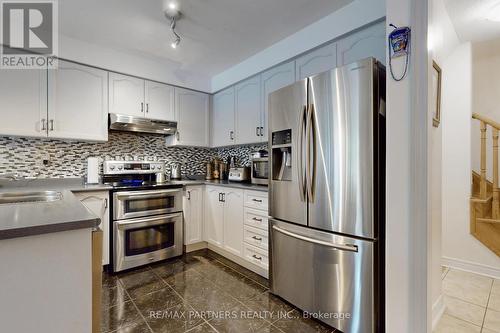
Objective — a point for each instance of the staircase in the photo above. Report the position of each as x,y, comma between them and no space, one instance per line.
485,200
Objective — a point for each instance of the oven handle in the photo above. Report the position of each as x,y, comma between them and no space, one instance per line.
147,222
145,194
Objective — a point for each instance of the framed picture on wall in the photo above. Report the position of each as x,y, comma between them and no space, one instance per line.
436,94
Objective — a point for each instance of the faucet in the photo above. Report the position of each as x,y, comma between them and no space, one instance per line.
9,176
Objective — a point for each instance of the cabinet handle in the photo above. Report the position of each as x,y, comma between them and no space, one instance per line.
257,238
43,125
189,195
147,107
258,258
220,197
223,197
105,203
142,107
178,135
51,124
261,131
257,131
256,219
231,135
257,200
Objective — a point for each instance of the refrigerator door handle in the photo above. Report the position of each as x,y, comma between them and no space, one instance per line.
310,155
342,247
301,170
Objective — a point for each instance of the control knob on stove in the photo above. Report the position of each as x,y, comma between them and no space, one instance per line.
111,167
120,167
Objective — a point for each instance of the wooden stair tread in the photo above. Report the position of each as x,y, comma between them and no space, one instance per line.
487,220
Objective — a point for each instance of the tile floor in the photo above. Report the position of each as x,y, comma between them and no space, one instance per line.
193,294
472,303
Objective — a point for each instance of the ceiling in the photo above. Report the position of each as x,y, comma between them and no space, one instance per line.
469,19
216,34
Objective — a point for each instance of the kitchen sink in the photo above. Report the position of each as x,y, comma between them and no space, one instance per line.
27,197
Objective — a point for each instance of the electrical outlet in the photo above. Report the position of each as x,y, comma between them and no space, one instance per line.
43,160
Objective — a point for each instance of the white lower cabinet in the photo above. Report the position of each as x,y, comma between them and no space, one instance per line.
237,225
233,220
97,203
192,203
214,216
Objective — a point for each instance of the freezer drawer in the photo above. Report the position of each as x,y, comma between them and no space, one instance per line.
324,273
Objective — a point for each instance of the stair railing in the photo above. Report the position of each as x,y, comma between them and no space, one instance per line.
484,122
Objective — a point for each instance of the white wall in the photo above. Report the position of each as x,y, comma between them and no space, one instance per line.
353,16
485,92
460,248
407,300
129,63
442,40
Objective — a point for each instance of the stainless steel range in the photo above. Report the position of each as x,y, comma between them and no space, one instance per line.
146,214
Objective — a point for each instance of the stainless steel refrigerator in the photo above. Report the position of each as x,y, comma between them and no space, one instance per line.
327,195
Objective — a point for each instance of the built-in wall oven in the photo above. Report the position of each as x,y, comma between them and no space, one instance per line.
147,227
146,216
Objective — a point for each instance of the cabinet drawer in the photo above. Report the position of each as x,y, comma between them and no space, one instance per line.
257,200
257,237
256,218
257,256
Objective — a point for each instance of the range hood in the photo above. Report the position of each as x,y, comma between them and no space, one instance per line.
120,122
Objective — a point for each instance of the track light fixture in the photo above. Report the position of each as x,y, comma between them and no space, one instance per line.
172,13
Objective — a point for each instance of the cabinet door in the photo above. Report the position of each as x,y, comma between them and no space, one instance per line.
97,203
223,118
317,61
214,216
233,221
126,95
78,102
248,111
23,94
192,118
370,42
274,79
159,100
193,214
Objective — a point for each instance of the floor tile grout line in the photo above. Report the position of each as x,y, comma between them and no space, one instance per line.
487,304
137,309
184,301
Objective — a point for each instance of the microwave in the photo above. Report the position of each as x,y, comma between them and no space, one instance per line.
260,171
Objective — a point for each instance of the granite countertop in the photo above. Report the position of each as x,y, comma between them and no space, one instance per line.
35,218
224,183
70,184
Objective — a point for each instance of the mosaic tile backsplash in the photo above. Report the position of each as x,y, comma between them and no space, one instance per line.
68,159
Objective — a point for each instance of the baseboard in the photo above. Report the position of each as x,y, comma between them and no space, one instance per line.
472,267
195,247
438,309
240,261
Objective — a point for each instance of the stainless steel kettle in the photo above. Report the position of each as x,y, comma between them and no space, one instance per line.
175,171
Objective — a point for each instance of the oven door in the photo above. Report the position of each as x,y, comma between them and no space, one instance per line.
132,204
142,241
260,171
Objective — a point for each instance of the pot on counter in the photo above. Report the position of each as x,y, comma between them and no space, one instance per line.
175,171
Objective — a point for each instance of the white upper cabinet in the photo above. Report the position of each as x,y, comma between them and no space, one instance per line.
317,61
369,42
159,99
78,102
126,95
248,111
223,133
272,80
192,115
23,98
233,221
